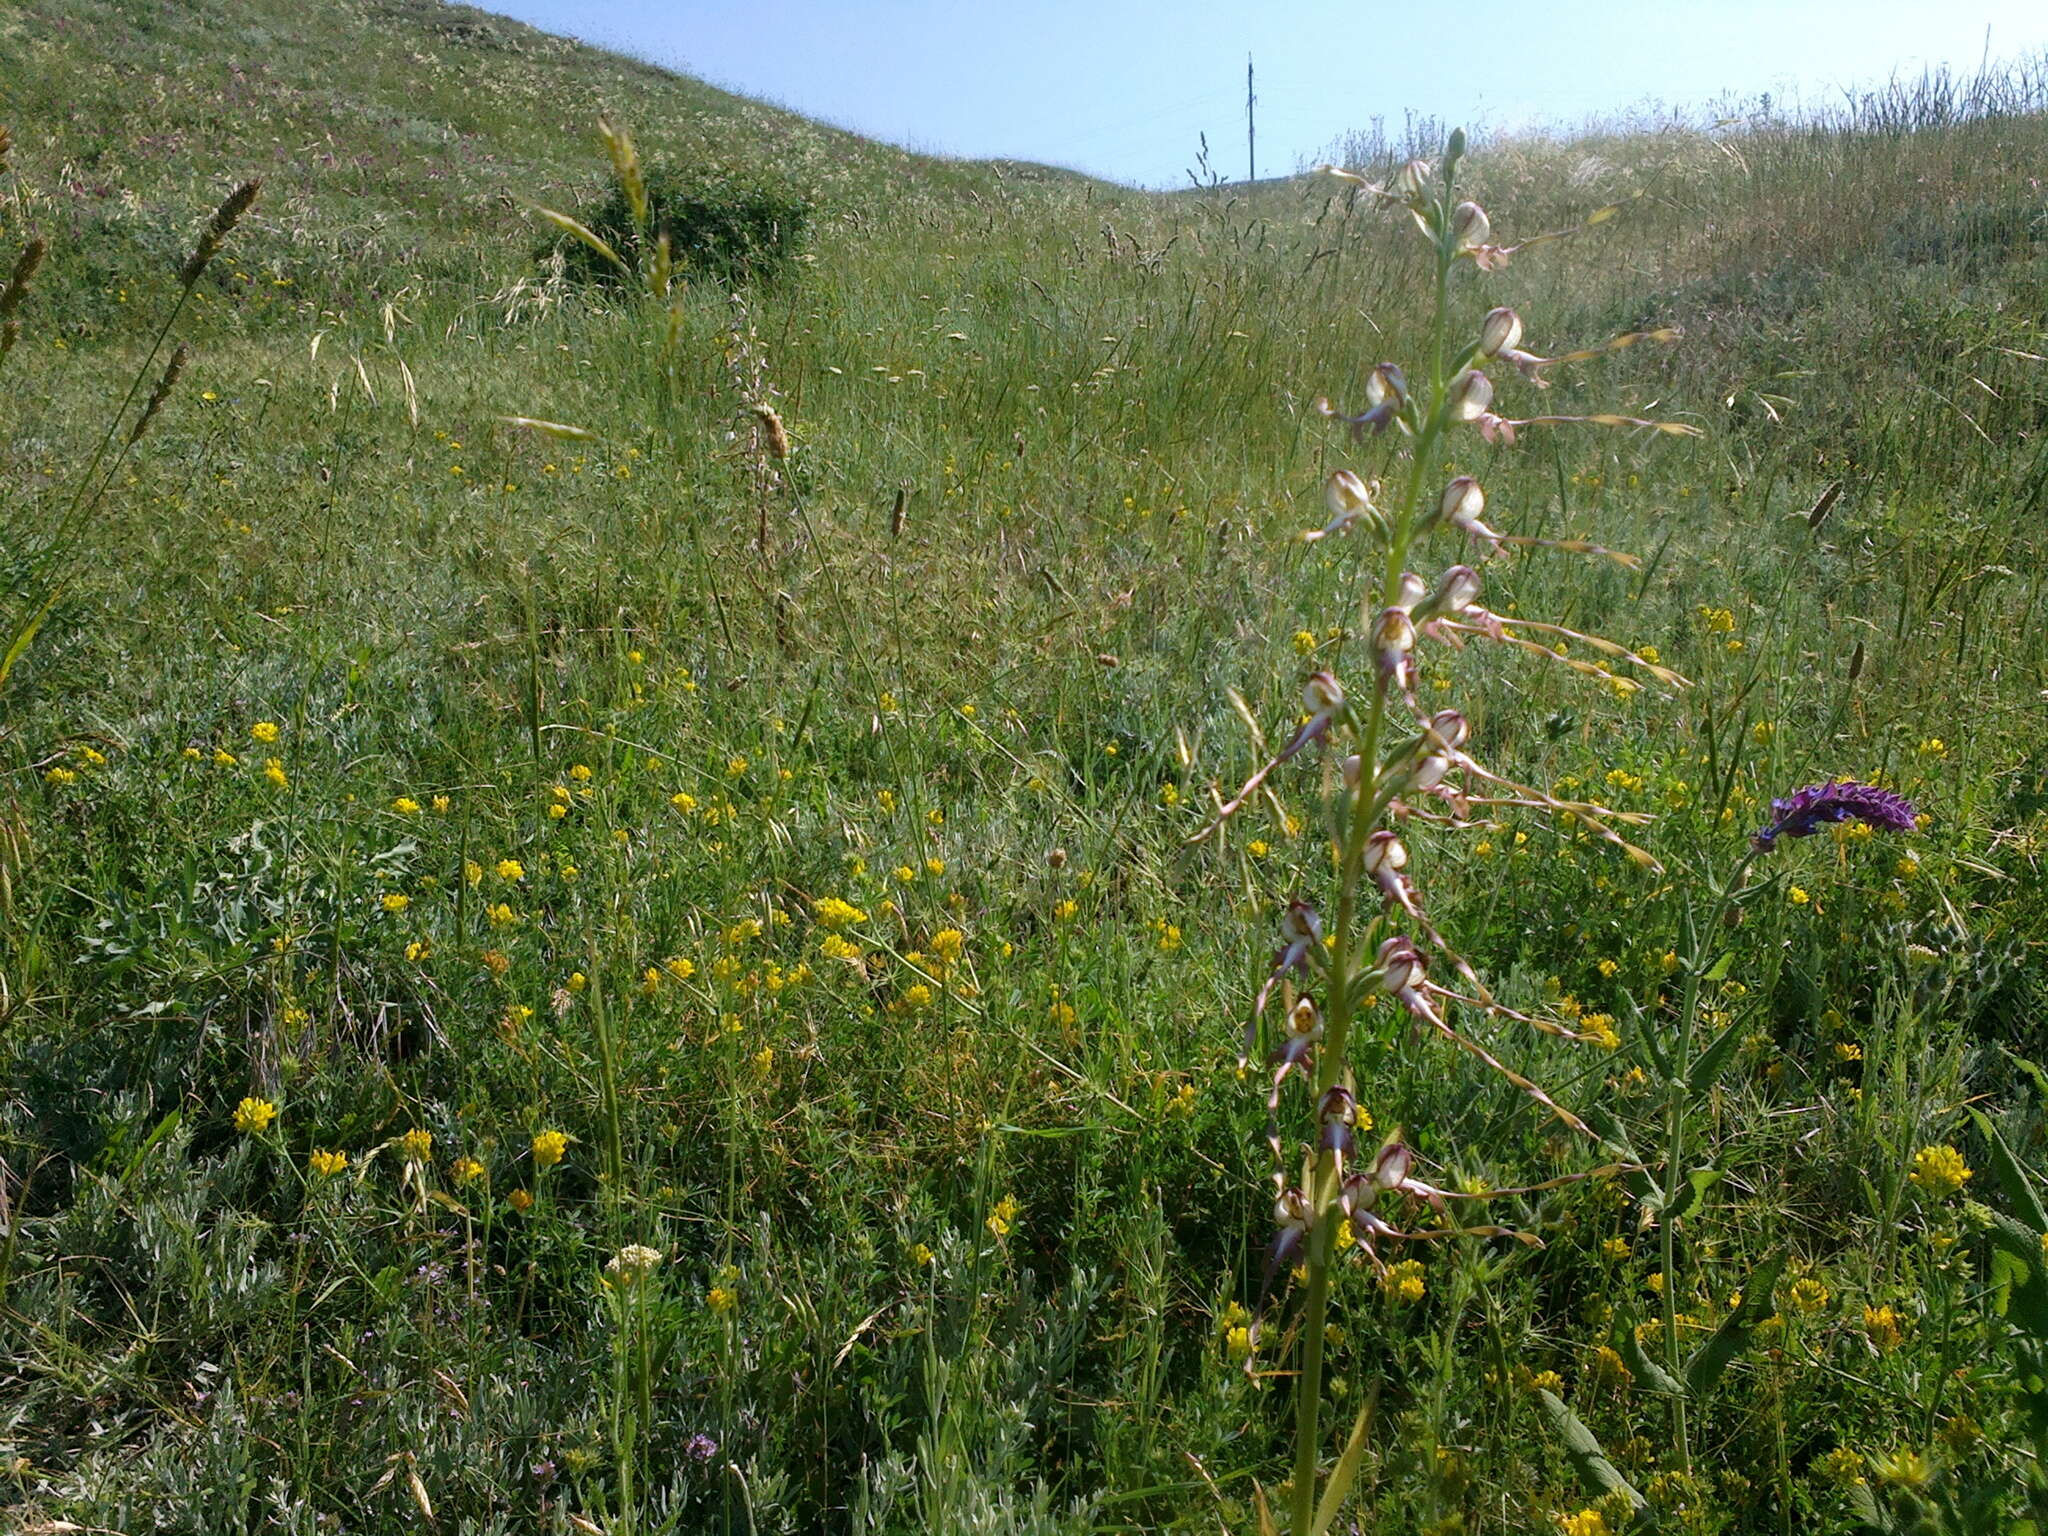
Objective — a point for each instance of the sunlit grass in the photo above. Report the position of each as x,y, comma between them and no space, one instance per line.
576,872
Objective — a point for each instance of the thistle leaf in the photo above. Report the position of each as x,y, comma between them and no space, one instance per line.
1710,1063
1600,1475
1712,1358
1652,1375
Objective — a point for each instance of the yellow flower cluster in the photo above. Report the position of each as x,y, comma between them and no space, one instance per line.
1881,1326
1808,1296
254,1115
1004,1216
1939,1171
1403,1281
834,914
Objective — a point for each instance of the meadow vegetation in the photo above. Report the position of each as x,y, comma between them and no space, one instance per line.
602,917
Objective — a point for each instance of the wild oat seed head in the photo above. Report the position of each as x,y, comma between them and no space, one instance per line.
25,266
225,217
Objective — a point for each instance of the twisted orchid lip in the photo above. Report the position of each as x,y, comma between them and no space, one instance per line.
1806,811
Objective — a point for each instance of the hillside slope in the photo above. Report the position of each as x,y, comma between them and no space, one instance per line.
392,136
673,970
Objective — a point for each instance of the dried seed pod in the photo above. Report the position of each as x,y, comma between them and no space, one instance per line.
771,425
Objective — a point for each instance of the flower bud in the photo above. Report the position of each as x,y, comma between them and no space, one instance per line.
1346,495
1461,502
1470,395
1413,180
1470,226
1386,382
1399,965
1499,332
1458,588
1354,768
1450,728
1393,632
1412,591
1384,851
1301,924
1429,773
1323,694
1390,1168
1305,1019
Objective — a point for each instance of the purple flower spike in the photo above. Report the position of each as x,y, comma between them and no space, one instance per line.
1807,810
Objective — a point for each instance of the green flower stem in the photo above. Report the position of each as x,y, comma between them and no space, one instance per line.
1677,1114
1361,814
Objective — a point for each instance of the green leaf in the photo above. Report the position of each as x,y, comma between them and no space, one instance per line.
1713,1060
582,232
1615,1144
1719,970
26,635
1870,1520
164,1127
1342,1476
2033,1070
2011,1177
1712,1358
2023,1270
1697,1183
1652,1046
1583,1451
1647,1371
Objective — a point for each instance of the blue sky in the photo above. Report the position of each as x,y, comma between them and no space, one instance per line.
1124,90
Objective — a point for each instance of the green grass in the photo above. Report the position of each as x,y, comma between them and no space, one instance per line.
1092,407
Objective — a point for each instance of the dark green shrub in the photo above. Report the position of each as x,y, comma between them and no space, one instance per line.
727,232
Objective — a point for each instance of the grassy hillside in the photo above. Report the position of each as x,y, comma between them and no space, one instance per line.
784,863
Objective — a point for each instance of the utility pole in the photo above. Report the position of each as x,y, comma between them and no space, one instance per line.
1251,128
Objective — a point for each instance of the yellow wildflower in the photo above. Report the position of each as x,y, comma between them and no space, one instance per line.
254,1115
835,914
1403,1281
1940,1171
1004,1216
1808,1296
